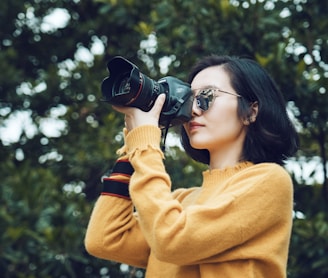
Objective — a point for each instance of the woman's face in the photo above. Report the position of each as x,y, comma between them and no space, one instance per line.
219,128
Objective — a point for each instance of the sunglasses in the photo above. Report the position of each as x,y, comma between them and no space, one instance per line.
205,97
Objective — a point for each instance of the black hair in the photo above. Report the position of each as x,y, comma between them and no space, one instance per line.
272,137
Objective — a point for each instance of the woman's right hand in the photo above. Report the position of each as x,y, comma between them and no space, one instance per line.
135,117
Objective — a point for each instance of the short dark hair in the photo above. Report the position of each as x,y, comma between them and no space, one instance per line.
272,137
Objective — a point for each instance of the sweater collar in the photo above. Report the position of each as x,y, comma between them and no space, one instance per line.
216,175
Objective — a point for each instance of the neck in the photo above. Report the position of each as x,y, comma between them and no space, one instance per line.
225,157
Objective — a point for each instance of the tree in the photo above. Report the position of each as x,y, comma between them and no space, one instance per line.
51,178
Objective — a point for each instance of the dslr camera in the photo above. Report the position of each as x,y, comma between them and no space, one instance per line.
127,86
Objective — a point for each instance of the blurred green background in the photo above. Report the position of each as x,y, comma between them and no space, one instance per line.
58,137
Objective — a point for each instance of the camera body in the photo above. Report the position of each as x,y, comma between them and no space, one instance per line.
127,86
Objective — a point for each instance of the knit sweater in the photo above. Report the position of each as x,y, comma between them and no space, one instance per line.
237,224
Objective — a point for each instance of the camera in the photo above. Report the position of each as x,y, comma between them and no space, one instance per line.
127,86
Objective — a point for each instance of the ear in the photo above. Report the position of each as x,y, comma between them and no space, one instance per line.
252,113
254,109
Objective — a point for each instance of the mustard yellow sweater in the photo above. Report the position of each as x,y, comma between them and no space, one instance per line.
237,224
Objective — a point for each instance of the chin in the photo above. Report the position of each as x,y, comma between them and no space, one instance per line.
198,145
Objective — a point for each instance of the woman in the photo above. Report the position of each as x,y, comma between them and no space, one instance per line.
238,223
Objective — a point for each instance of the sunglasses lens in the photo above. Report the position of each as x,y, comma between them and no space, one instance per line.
202,102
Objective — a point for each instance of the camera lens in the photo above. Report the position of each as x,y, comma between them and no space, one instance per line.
127,86
124,87
130,87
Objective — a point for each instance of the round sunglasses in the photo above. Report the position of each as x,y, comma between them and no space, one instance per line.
205,97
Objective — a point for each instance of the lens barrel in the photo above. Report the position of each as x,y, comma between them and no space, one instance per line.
127,86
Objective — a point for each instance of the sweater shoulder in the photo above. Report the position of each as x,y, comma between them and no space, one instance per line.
267,177
269,170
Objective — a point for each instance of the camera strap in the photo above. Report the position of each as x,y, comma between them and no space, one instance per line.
165,131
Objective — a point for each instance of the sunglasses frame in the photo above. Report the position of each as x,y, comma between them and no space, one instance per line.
204,95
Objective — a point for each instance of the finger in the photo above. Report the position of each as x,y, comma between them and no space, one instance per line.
116,108
157,108
121,109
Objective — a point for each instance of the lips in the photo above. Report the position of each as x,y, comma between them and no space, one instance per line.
194,126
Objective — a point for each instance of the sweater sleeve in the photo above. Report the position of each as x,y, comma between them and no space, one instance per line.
199,233
113,232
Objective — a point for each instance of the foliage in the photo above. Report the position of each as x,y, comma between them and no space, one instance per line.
309,248
68,137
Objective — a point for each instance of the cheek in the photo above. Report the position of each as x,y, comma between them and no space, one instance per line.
224,112
225,120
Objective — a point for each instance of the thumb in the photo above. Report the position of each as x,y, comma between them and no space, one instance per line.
157,108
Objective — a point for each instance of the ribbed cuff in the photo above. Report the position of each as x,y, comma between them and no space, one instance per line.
142,137
117,184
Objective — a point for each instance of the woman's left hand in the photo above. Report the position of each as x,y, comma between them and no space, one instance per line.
135,117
